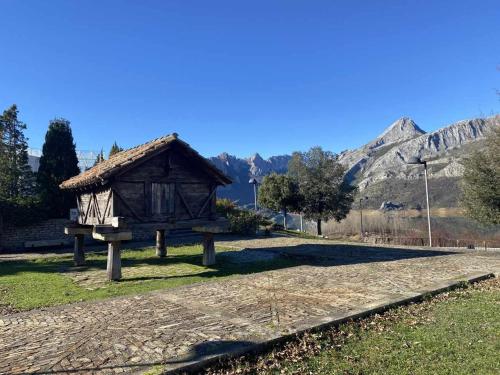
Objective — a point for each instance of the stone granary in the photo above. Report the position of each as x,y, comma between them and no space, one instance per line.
160,185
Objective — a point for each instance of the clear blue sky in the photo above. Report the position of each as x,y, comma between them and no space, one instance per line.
247,76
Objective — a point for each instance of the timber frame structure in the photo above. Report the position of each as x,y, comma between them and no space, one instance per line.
161,185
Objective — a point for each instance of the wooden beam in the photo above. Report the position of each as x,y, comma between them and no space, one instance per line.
96,207
106,207
190,223
207,201
112,236
87,211
80,229
110,207
152,226
127,206
79,203
178,190
80,207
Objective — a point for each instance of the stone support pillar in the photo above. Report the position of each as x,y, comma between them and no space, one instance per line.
208,249
114,268
161,249
78,253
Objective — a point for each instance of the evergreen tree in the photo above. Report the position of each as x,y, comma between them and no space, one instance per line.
16,177
280,192
100,158
114,149
481,182
58,163
3,164
326,194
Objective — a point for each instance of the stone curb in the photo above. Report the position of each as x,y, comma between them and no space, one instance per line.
318,324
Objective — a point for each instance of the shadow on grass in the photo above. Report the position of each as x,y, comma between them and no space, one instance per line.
325,255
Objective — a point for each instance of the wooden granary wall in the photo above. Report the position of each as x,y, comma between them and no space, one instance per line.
161,185
95,207
170,186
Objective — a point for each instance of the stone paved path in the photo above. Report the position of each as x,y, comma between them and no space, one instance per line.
129,334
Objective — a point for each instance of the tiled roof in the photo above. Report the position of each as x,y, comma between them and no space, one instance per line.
107,168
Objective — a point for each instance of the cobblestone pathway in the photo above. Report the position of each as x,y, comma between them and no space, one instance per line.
129,334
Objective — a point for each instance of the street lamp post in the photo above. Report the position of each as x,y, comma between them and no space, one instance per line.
361,216
417,160
254,182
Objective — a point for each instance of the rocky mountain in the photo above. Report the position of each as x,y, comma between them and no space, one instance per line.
442,148
400,130
241,170
380,167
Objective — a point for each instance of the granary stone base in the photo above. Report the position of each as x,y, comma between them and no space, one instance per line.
208,249
79,255
114,266
161,249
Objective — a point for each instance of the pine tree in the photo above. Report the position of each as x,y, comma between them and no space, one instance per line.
58,163
16,177
114,149
100,158
3,164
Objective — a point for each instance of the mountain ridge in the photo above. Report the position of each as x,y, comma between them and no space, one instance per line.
383,159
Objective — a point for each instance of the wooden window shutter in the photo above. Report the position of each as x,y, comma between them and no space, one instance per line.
162,199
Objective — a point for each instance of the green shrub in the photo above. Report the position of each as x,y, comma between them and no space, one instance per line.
240,221
22,211
276,227
225,207
244,222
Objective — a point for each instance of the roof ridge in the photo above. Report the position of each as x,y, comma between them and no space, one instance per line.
143,144
106,168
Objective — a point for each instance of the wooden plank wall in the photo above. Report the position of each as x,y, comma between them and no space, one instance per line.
131,192
95,207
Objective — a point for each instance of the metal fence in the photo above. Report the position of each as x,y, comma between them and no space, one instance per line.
86,158
436,242
309,226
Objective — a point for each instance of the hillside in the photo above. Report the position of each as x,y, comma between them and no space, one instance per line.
384,174
380,167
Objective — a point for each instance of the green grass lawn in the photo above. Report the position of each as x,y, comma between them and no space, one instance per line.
454,333
294,233
29,284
